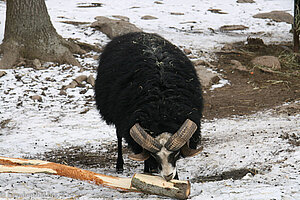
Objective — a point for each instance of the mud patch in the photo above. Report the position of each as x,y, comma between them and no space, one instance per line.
101,156
233,174
253,90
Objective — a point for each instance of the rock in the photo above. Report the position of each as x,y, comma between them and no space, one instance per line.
267,61
80,79
91,80
36,98
158,2
2,73
176,13
113,28
245,1
233,27
73,84
187,51
277,16
207,78
37,64
148,17
227,47
217,11
63,92
237,65
255,41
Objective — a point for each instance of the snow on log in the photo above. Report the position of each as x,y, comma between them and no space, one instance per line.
139,183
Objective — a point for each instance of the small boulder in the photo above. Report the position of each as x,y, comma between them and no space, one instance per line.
233,28
80,79
227,47
238,65
187,51
267,61
91,80
176,13
36,98
37,64
113,28
2,73
255,41
63,92
207,77
73,84
148,17
277,16
245,1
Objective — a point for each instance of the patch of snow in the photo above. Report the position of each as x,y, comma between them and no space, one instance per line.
62,121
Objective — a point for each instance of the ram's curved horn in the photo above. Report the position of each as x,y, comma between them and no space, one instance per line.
140,157
144,139
181,137
186,151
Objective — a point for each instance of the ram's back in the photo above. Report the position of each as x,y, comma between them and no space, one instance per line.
144,78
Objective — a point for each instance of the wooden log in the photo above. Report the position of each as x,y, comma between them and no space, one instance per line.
17,165
139,183
159,186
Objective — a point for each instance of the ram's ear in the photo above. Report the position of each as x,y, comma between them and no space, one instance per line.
140,157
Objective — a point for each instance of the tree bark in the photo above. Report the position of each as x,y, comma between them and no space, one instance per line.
30,34
296,26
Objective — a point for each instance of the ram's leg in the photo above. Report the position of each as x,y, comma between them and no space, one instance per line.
120,160
150,165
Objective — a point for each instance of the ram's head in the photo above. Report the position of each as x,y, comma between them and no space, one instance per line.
166,148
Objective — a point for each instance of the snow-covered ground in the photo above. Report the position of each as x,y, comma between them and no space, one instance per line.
31,128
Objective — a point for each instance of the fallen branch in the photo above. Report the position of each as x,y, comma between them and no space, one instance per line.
139,183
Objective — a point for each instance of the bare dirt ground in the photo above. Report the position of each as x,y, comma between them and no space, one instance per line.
253,90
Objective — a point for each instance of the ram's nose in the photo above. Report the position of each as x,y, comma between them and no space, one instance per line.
168,177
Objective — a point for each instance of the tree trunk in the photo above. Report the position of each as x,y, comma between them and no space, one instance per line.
296,26
30,34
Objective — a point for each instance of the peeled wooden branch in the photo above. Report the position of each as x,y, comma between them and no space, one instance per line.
139,183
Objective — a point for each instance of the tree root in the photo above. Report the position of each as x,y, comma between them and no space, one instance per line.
61,52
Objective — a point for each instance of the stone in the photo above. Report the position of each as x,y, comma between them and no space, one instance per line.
91,80
80,79
207,77
2,73
73,84
227,47
238,65
233,28
176,13
187,51
255,41
113,28
245,1
148,17
37,64
63,92
277,16
217,11
267,61
36,98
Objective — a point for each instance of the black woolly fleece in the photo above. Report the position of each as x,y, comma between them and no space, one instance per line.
143,78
